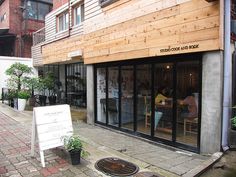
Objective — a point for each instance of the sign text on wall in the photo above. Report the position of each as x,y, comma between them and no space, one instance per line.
180,48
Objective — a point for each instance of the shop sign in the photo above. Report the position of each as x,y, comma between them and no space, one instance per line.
180,48
49,124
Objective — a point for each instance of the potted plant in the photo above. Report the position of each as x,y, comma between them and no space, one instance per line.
74,146
32,83
17,73
41,88
22,98
49,82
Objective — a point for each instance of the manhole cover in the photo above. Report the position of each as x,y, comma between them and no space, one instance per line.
147,174
116,167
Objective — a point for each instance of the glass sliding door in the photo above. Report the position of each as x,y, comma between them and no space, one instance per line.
101,95
127,97
143,98
187,92
113,96
156,99
163,88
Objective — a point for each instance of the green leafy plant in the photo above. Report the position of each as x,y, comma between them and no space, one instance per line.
74,143
17,72
23,95
32,84
49,83
233,120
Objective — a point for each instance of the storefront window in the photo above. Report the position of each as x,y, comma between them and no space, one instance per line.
101,95
127,96
155,99
113,96
143,86
76,84
163,86
187,102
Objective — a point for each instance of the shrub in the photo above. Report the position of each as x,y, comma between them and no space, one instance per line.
23,95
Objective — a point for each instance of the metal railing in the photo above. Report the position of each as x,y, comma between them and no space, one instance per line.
39,36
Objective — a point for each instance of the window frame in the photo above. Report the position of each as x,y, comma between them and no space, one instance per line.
79,6
65,26
37,10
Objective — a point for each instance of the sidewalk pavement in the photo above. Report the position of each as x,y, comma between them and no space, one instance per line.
15,160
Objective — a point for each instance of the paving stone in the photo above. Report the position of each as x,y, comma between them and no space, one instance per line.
68,173
15,152
23,171
45,172
91,173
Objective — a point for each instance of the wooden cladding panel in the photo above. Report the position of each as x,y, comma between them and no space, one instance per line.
182,25
58,51
156,31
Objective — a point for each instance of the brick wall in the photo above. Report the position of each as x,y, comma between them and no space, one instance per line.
15,17
23,29
58,3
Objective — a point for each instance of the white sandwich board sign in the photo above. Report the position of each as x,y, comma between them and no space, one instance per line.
49,124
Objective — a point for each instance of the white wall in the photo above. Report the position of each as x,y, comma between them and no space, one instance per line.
6,62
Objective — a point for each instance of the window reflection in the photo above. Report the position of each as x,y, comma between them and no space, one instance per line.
163,86
187,93
37,10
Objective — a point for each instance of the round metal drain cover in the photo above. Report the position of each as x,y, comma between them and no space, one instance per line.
147,174
116,167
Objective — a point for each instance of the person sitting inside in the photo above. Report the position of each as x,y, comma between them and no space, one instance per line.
190,101
160,98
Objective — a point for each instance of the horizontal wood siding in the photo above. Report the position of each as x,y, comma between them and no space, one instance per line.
37,55
57,52
130,29
51,33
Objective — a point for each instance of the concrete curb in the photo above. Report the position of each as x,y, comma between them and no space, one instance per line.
204,166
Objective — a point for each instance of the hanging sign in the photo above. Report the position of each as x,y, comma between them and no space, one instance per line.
49,124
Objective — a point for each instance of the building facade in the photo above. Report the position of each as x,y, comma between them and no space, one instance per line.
154,68
18,20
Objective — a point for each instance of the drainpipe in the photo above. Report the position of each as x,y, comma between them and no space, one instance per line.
69,16
227,77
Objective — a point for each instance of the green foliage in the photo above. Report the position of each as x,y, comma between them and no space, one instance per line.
23,95
31,83
72,143
47,82
11,94
233,121
18,69
17,72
